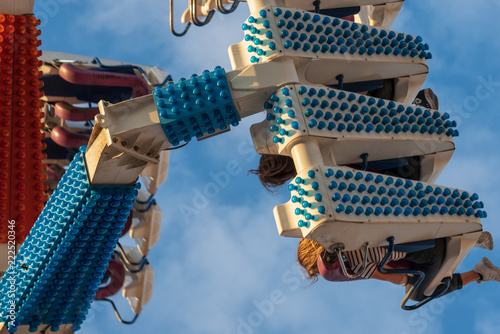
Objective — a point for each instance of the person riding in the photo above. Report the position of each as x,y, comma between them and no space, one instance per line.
276,170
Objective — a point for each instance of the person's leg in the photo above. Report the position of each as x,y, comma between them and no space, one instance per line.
398,279
463,279
429,261
456,283
489,273
469,277
482,272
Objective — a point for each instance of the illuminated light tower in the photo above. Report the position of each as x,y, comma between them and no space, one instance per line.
22,172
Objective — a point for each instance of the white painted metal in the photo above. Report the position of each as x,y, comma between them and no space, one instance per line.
126,137
203,7
16,7
146,224
327,4
154,175
51,58
354,230
253,83
432,165
380,15
138,287
306,154
457,247
342,148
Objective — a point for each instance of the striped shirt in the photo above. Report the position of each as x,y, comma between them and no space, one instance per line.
375,256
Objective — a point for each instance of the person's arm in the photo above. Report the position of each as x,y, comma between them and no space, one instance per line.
398,279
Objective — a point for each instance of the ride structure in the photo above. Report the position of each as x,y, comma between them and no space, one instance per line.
337,86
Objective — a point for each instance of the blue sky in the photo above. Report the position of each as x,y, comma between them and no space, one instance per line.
224,269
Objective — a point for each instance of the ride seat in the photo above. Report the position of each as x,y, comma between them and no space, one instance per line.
457,248
333,272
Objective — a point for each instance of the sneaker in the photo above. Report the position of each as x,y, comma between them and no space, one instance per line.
485,241
427,99
487,270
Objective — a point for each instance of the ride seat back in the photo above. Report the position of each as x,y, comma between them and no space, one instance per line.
456,249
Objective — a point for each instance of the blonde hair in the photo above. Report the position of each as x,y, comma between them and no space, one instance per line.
307,255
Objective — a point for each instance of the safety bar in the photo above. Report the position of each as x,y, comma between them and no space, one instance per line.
66,138
419,273
117,313
69,112
79,76
133,67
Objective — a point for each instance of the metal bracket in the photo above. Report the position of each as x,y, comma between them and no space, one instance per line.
337,248
419,273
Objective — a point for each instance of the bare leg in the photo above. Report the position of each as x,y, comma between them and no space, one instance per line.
469,277
399,279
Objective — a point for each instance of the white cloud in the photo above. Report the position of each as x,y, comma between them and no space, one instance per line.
125,17
210,271
487,321
217,264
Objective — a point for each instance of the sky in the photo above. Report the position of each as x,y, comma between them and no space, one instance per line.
223,268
